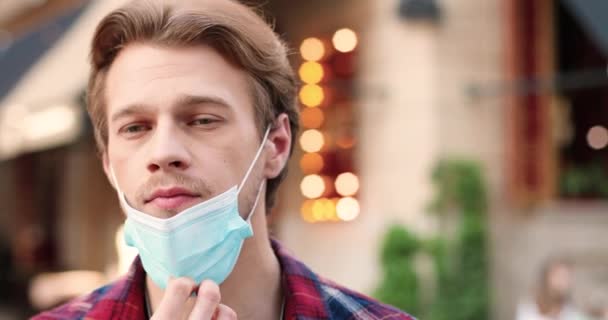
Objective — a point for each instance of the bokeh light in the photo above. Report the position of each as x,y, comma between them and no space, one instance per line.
335,218
347,209
311,163
312,95
312,49
311,72
324,210
345,40
312,140
346,141
312,118
312,186
347,184
306,210
597,137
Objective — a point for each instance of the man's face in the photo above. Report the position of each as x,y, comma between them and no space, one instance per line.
181,127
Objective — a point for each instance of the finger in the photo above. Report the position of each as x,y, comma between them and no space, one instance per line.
225,313
207,301
175,296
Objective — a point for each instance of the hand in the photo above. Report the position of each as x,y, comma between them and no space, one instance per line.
206,307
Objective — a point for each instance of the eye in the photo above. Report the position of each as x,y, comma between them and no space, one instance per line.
134,129
203,121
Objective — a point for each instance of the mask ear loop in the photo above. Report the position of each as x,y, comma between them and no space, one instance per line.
255,204
121,195
255,159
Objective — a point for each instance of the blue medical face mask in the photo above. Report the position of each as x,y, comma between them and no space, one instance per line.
201,242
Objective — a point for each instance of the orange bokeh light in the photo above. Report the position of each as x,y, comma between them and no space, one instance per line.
306,211
312,118
311,163
312,95
311,72
324,210
346,142
312,49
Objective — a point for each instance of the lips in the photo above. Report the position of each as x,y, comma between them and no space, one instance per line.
172,198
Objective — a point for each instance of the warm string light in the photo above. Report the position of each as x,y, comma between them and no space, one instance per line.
313,186
312,118
312,95
345,40
347,209
312,49
312,140
347,184
311,163
311,72
319,187
330,210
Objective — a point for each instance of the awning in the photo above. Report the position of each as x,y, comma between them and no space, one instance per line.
43,81
19,55
593,17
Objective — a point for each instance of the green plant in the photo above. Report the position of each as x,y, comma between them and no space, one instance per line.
462,275
399,286
584,181
460,260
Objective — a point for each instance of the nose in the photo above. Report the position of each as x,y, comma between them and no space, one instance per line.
168,151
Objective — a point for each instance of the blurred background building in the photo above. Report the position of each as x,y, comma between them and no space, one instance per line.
389,89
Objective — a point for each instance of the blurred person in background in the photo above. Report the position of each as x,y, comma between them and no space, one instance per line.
553,296
596,305
195,115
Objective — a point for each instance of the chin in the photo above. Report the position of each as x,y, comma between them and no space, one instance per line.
162,213
167,214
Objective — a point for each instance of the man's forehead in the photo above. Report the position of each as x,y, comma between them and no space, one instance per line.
137,59
148,75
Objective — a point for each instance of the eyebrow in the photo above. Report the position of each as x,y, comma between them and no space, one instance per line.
183,101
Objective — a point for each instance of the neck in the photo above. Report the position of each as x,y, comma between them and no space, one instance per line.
253,289
551,304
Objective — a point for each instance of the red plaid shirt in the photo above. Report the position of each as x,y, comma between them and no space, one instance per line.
307,297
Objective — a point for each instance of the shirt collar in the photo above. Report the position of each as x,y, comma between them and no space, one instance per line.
301,287
125,299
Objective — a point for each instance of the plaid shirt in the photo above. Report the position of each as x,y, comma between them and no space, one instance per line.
307,297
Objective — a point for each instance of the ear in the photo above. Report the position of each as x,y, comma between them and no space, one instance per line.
106,168
279,145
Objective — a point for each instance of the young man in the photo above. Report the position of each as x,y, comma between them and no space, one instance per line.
194,109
